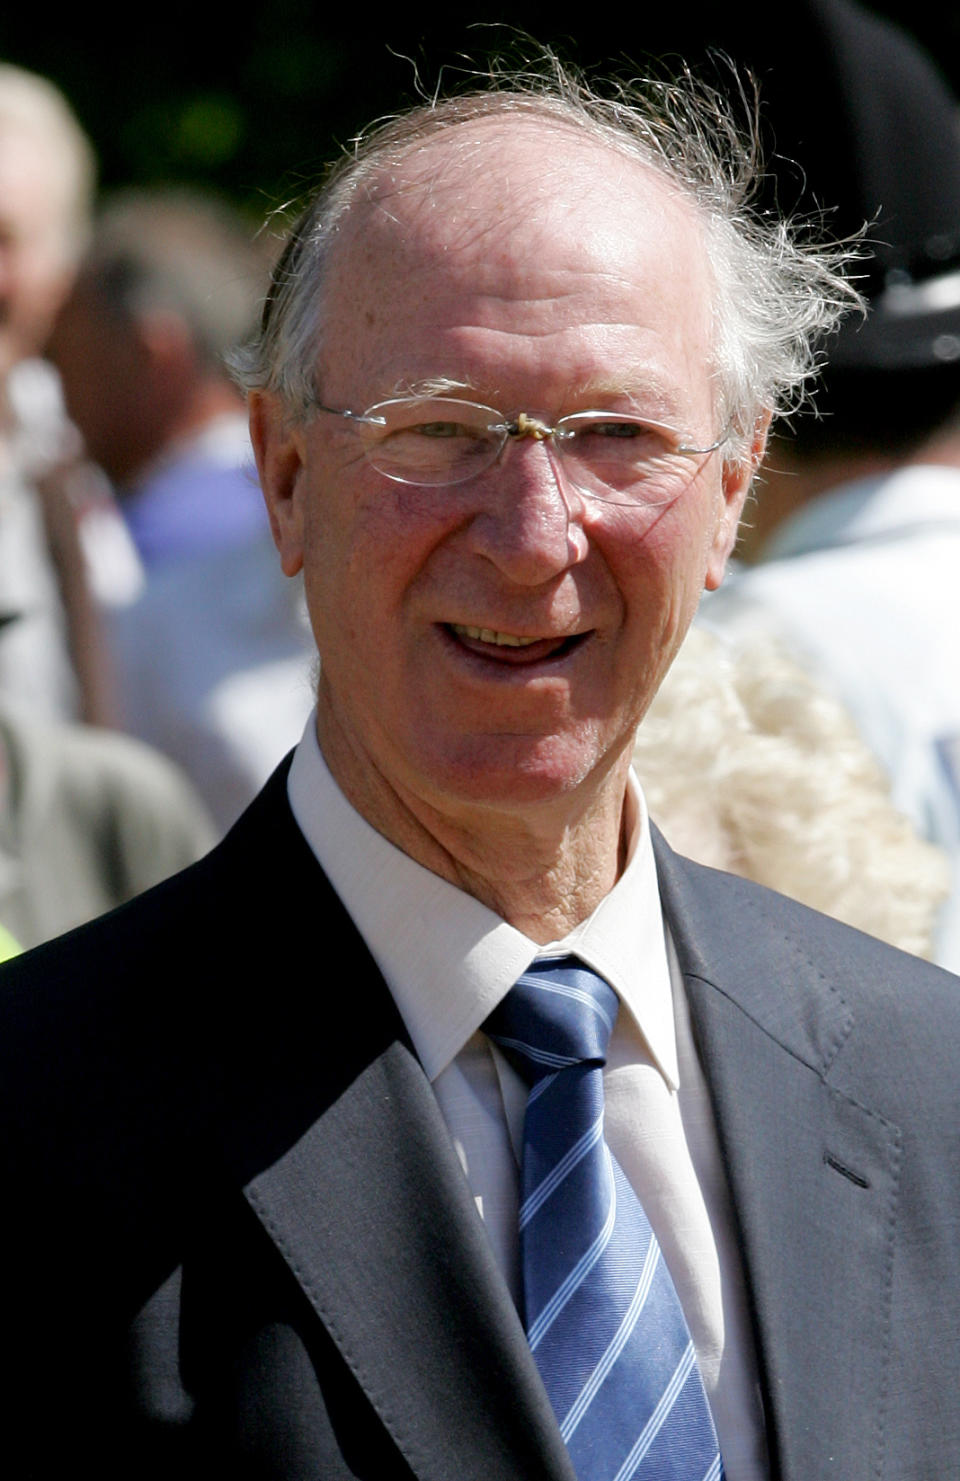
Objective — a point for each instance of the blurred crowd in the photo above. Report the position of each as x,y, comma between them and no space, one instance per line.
139,594
155,664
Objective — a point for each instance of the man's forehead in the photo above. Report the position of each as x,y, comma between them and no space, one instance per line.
532,243
498,195
493,172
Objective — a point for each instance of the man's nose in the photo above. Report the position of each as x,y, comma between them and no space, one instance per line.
530,524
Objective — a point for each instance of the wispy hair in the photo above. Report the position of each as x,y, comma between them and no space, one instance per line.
779,289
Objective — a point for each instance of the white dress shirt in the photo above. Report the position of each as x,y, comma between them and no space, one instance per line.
448,961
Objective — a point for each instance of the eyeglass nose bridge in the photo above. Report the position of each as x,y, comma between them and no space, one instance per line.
527,426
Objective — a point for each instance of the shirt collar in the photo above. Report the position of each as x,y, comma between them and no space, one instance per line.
446,958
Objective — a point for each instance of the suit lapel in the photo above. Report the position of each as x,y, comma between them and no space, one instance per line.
395,1262
349,1167
813,1174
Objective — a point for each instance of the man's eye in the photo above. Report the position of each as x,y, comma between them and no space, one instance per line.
442,429
620,438
618,429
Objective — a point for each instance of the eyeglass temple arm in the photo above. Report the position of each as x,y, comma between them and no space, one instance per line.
353,416
724,436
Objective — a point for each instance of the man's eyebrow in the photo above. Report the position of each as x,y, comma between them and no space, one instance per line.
641,389
437,385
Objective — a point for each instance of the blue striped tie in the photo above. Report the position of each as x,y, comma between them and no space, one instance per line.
601,1314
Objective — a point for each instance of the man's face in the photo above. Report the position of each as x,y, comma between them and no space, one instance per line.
541,274
35,266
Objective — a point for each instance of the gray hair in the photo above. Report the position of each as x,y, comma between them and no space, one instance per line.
183,251
33,107
777,293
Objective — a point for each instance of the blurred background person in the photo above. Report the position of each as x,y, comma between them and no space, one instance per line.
212,657
51,654
856,527
88,819
170,282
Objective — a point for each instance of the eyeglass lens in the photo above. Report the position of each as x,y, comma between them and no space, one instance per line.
445,441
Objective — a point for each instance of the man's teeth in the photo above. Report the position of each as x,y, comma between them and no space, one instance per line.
489,635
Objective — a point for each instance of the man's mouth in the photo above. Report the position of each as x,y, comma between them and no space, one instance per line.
489,635
510,647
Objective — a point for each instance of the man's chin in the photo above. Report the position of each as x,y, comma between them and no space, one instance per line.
512,771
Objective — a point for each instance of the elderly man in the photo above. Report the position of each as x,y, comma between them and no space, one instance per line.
308,1171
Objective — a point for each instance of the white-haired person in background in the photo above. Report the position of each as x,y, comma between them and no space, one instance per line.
88,818
52,521
748,765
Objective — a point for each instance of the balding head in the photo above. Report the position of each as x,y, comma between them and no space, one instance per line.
458,235
772,299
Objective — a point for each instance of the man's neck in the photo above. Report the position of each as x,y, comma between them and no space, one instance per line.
542,869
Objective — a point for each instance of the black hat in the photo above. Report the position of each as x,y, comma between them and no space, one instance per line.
857,123
895,154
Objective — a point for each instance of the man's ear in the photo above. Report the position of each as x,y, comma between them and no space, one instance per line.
737,478
280,449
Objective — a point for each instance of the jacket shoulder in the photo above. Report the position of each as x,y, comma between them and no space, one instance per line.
868,1017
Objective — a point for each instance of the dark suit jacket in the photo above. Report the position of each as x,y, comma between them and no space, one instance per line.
238,1242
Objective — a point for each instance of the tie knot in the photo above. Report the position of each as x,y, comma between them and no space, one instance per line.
558,1014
